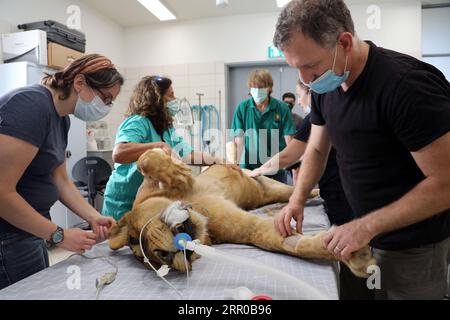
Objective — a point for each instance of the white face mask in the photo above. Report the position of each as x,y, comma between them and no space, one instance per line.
259,94
91,111
307,110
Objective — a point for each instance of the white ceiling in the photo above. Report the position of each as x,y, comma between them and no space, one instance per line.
130,13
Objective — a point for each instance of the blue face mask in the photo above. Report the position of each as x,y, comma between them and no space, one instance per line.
329,81
259,94
307,110
174,107
91,111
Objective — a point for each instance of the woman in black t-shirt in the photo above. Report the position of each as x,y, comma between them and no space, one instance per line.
34,122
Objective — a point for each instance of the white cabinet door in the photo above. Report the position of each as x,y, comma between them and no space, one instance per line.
63,217
76,150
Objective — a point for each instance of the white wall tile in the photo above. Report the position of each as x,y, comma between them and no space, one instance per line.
209,93
143,72
129,85
202,80
182,92
180,81
220,67
176,70
220,79
132,73
202,68
188,80
152,71
121,70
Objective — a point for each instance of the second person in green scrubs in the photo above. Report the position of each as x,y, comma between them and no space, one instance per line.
262,125
149,125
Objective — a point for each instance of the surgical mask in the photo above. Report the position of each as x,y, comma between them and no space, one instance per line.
329,81
307,110
91,111
174,107
259,94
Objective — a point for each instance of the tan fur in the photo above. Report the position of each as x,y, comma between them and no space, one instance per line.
218,197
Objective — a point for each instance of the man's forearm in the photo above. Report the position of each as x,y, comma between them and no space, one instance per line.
427,199
292,153
311,170
272,166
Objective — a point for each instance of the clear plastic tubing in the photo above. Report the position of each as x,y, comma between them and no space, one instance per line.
213,254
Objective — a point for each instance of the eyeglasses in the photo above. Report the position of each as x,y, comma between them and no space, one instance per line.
106,98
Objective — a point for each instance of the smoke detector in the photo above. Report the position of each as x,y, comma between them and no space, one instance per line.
222,3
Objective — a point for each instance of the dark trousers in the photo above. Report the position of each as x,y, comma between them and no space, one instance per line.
417,273
339,212
351,287
21,257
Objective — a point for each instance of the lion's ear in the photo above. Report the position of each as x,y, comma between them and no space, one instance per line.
118,234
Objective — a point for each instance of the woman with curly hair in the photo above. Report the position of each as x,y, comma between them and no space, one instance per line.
149,125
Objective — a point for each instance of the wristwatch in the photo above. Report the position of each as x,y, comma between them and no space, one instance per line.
57,236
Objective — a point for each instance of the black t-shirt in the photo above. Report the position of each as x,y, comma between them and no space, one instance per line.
330,182
29,114
398,105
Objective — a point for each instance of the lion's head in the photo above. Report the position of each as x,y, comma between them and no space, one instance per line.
157,234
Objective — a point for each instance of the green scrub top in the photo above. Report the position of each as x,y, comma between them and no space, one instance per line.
125,180
248,120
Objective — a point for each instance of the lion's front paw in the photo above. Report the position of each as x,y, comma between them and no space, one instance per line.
360,261
314,193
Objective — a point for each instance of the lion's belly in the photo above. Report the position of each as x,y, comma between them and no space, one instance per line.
229,184
209,187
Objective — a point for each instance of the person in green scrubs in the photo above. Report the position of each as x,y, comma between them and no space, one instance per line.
149,125
262,125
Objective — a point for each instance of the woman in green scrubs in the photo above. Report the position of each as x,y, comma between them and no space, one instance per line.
149,125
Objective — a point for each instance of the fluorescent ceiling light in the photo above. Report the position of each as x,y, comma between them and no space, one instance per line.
282,3
158,9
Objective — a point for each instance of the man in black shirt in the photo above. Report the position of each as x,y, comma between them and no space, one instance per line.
336,205
388,116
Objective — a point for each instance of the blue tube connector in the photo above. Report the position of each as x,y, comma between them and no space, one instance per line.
181,238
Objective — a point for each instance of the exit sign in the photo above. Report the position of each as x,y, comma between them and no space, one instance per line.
275,53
